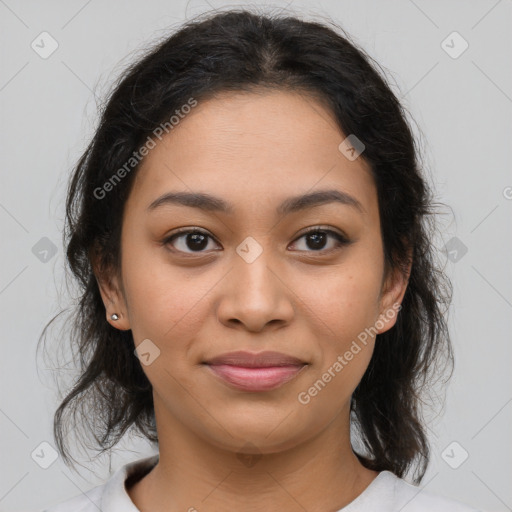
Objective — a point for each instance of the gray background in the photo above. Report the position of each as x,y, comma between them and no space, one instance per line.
462,106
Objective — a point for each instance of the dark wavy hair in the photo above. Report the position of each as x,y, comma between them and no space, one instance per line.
240,50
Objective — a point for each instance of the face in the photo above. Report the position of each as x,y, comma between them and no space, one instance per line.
253,279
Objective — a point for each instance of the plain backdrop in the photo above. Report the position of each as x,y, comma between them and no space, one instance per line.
462,102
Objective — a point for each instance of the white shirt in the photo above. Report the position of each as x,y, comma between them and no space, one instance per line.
386,493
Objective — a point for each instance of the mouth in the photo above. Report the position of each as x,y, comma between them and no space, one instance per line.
264,371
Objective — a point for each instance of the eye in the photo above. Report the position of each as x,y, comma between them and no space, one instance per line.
197,241
317,238
189,240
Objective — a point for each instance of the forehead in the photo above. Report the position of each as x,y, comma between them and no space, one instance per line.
253,148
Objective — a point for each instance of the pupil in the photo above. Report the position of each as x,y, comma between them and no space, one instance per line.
197,237
319,240
199,241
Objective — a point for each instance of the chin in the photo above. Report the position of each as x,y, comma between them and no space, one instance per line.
257,435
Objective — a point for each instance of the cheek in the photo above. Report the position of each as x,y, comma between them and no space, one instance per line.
347,299
346,302
163,303
347,305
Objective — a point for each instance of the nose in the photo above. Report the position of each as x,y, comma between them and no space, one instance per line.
255,296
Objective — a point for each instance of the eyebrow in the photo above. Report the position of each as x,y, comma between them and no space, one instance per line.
294,204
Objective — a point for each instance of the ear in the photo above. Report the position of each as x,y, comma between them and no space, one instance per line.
392,294
111,293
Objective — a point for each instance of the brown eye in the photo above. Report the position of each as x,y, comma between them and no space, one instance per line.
317,240
189,241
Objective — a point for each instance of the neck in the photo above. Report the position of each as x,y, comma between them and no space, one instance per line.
320,474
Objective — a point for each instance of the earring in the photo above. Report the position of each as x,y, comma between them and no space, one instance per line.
114,317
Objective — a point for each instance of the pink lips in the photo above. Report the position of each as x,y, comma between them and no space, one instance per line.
255,372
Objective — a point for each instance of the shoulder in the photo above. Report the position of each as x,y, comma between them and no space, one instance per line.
389,493
87,502
409,498
110,496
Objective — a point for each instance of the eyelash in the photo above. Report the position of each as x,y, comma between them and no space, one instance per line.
342,241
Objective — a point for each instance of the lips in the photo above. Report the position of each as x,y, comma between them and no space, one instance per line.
259,360
263,371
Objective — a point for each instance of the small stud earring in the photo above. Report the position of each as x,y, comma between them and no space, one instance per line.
114,317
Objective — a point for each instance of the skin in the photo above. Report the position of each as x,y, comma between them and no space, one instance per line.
253,150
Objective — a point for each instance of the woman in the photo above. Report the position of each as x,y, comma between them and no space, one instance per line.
251,230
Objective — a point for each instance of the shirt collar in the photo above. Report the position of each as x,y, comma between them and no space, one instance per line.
115,498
